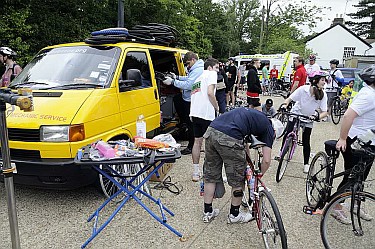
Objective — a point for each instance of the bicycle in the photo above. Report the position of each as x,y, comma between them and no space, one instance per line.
289,145
318,193
264,206
338,108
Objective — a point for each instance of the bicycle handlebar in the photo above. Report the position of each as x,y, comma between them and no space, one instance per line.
22,99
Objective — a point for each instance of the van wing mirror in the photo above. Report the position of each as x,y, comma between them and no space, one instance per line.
133,79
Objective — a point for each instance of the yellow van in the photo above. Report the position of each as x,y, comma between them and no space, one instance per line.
83,93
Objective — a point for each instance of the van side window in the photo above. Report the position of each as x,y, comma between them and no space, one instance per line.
138,60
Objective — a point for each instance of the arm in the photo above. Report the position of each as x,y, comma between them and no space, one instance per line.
347,122
294,86
266,162
211,97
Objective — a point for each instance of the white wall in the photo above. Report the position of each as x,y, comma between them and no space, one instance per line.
330,45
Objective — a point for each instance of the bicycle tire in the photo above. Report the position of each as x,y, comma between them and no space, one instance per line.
336,111
271,224
109,188
316,180
283,163
336,235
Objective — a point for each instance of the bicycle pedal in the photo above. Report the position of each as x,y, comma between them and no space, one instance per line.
309,210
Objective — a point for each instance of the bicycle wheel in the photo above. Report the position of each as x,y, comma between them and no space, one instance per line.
357,232
316,180
284,158
271,224
336,111
109,188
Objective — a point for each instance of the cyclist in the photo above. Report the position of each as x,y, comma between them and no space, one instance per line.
12,69
225,144
359,117
311,69
308,99
346,92
334,81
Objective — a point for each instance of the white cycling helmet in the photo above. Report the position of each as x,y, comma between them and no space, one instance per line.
278,127
7,51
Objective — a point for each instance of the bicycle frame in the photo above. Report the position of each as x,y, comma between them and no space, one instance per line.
294,135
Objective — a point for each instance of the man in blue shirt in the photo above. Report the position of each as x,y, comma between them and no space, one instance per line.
195,69
225,145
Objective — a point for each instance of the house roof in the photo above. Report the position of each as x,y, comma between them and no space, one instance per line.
344,27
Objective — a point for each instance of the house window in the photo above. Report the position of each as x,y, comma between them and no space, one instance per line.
348,52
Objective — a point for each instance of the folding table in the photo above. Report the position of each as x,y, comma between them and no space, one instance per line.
152,161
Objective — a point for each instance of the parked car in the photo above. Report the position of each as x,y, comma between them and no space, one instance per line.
349,74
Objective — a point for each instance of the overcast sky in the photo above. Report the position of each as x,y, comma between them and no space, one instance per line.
338,7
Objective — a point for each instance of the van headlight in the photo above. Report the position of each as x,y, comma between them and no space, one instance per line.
62,133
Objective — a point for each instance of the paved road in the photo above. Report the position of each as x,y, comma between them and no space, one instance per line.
57,219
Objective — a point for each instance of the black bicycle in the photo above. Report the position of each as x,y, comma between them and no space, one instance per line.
338,109
343,215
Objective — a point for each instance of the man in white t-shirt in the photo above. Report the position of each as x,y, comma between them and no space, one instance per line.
203,108
358,119
334,80
312,68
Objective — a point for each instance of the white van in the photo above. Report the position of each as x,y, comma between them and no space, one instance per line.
283,62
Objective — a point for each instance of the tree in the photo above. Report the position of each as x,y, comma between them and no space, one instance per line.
366,13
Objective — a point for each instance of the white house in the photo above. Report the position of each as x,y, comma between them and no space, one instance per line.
337,42
372,50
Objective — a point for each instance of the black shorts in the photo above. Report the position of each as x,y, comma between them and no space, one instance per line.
255,102
200,126
229,86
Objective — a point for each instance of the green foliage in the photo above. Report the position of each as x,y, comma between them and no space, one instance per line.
211,28
366,12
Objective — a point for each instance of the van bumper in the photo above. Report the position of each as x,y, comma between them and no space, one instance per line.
62,174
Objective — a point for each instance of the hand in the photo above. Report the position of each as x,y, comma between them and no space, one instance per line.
167,81
173,76
341,145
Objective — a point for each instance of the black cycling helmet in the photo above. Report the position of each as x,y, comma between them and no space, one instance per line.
334,61
368,74
5,51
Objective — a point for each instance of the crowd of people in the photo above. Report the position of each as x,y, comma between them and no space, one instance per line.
213,88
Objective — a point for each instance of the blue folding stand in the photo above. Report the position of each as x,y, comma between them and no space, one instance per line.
148,161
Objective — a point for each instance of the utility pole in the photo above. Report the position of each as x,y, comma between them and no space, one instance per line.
120,13
261,31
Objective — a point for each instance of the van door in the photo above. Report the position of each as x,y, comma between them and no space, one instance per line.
142,99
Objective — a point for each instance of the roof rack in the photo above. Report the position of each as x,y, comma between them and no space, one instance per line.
152,33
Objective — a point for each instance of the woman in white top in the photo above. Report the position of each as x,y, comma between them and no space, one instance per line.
359,118
308,99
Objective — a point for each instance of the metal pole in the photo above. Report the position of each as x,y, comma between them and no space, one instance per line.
8,179
120,13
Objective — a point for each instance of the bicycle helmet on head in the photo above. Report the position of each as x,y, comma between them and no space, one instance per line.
334,61
5,51
368,74
312,57
278,127
316,75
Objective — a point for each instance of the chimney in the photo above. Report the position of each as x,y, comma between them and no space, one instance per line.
338,20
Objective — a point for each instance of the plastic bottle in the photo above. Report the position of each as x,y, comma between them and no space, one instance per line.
141,126
201,192
248,173
252,182
105,149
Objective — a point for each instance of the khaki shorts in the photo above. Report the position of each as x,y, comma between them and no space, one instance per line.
222,149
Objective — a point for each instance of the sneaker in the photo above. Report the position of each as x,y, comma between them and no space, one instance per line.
207,217
306,168
340,216
195,177
240,218
186,151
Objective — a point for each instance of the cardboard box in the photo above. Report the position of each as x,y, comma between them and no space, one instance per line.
163,171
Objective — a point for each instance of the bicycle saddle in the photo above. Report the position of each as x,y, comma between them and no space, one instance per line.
255,143
330,147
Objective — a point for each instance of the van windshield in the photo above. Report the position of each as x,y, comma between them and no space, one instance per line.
70,68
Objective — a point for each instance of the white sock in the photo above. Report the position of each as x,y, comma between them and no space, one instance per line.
196,168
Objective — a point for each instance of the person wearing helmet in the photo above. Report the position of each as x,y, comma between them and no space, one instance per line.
335,80
357,120
224,144
308,99
12,69
311,68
